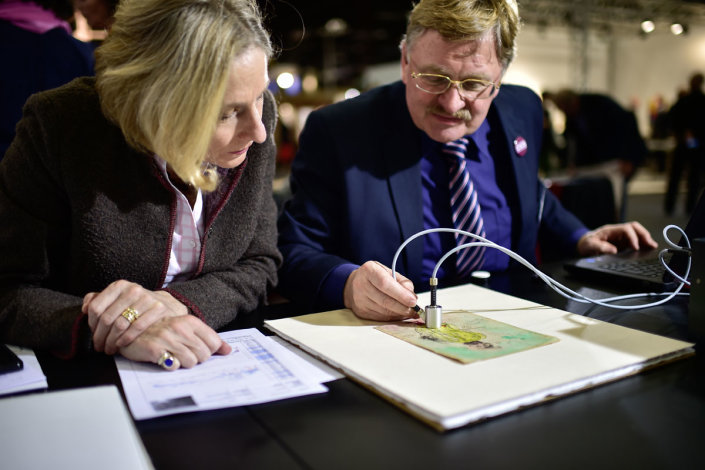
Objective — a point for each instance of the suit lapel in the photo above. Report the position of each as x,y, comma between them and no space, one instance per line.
401,153
513,129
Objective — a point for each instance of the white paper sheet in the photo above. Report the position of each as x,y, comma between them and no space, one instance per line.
30,377
257,370
87,428
321,371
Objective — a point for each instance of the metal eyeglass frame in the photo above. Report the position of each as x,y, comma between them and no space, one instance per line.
458,84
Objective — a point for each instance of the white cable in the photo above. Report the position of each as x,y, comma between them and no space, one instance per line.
673,245
425,232
555,285
677,249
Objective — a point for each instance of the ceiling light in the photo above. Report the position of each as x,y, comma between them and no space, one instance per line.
678,28
647,26
310,83
285,80
336,27
351,93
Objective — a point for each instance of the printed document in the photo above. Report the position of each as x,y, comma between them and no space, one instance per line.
30,377
258,370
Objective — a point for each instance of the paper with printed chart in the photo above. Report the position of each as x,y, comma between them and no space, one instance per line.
257,370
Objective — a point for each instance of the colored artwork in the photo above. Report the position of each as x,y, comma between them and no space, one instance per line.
467,337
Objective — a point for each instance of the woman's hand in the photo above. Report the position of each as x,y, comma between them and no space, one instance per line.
111,330
186,338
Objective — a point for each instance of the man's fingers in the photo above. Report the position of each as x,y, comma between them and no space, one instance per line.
372,293
644,235
386,284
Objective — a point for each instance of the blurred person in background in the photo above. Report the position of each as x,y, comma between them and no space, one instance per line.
660,132
38,53
99,14
601,137
687,119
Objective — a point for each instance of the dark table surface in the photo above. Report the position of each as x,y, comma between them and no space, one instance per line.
655,419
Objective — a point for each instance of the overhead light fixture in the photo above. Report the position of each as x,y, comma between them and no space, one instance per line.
310,82
679,28
351,93
336,27
285,80
647,26
289,82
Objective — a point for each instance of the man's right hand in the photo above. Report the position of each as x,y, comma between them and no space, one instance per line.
372,293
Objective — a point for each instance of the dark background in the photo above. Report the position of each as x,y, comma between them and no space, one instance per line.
375,27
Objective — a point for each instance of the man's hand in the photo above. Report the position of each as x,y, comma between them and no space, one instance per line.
611,238
372,293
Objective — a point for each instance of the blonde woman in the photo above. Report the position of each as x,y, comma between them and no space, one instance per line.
136,207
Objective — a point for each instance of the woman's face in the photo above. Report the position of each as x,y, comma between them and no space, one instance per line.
240,123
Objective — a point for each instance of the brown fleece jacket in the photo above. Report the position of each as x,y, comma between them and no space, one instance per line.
80,208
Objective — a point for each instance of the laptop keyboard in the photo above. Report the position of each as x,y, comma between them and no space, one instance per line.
650,268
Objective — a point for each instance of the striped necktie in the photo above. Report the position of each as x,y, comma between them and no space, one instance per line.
465,207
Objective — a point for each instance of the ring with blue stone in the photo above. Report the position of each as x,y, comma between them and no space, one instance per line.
167,360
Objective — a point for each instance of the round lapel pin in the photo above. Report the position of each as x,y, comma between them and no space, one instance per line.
520,146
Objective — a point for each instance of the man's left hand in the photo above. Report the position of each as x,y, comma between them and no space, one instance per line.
614,237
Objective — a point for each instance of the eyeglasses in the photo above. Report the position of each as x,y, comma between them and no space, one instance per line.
470,88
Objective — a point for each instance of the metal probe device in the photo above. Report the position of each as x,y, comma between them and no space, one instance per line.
434,313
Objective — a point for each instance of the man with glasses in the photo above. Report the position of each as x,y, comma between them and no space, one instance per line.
445,146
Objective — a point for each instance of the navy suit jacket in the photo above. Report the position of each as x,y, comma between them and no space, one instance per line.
356,186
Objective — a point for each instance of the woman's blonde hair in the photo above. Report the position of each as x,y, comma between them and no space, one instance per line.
468,19
162,71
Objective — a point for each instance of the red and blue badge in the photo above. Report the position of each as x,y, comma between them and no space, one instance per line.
520,146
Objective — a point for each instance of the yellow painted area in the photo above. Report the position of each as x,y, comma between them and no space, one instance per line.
450,334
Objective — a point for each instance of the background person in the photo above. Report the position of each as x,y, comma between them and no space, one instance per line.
38,53
99,14
687,119
137,207
371,171
601,138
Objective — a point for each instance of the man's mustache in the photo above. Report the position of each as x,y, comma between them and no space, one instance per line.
463,114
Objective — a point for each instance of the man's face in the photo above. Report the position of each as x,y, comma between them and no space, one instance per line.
448,116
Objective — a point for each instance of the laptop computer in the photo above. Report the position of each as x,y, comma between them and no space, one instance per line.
640,269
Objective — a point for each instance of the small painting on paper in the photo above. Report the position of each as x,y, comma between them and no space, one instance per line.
467,337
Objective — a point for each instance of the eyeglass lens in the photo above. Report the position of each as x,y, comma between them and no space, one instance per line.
439,84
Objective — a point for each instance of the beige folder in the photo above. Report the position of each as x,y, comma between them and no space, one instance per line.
448,394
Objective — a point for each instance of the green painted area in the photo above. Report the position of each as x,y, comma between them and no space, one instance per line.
467,337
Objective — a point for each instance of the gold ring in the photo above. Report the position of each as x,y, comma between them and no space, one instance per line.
130,314
167,360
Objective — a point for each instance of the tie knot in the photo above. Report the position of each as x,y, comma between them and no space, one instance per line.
456,148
